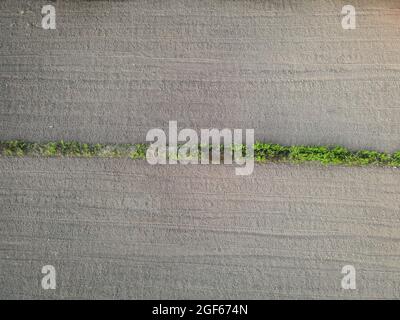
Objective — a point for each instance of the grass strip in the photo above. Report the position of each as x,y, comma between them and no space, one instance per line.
263,152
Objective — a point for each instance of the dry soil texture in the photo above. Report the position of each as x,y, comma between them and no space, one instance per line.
121,229
112,70
124,229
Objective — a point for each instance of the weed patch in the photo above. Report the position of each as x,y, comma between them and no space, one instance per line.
263,152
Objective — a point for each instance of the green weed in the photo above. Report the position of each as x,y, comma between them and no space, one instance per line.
263,152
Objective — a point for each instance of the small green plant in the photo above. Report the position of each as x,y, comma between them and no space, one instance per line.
14,148
50,149
139,152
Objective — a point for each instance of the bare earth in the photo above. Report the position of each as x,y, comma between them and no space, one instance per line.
113,70
123,229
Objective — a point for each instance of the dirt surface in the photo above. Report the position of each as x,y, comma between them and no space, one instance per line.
124,229
112,70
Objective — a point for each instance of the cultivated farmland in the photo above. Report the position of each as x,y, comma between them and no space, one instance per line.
120,228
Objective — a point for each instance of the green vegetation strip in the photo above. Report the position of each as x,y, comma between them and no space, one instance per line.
263,152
